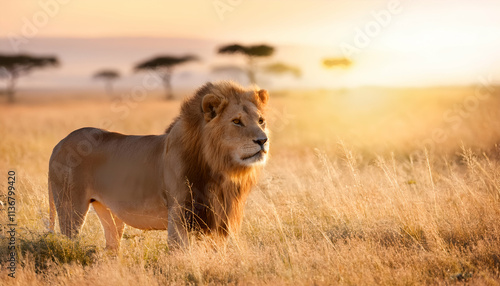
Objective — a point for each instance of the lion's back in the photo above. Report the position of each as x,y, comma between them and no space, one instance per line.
89,147
78,143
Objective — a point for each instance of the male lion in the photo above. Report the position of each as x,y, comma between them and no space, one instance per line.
196,176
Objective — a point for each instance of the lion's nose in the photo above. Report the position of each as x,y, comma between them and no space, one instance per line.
261,141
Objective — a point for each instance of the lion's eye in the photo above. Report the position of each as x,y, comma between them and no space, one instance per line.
237,122
261,121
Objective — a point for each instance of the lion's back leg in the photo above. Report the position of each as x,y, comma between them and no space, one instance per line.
113,226
71,203
52,210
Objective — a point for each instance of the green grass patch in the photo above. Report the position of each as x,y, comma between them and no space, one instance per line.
59,249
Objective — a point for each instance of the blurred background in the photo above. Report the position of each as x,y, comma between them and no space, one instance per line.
388,43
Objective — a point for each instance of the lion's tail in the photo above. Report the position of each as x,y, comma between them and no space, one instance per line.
52,209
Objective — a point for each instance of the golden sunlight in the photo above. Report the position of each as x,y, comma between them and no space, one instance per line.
390,42
238,142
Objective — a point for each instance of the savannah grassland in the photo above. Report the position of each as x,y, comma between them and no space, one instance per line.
363,187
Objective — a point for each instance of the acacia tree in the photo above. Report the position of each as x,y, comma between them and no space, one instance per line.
15,66
164,66
109,77
251,53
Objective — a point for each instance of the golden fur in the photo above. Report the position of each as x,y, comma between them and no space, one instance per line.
196,176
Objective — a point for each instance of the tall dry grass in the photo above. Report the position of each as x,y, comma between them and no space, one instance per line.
359,191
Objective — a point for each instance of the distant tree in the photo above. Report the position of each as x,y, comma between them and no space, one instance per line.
109,77
330,63
251,53
282,68
164,66
15,66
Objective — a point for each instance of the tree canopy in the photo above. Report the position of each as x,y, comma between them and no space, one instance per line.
108,76
22,64
251,52
164,66
164,62
14,66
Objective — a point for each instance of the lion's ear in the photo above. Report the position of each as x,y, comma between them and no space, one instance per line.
263,96
213,105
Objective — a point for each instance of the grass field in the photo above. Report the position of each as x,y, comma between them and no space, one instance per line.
363,187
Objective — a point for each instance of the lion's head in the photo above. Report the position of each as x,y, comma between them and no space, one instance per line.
235,126
232,125
224,140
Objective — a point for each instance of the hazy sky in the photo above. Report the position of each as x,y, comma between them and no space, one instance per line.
407,42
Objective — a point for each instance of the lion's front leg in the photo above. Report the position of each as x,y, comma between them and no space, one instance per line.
177,231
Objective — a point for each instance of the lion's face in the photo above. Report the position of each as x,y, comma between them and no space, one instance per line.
245,134
236,129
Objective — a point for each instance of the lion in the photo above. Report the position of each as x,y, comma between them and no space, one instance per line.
194,177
